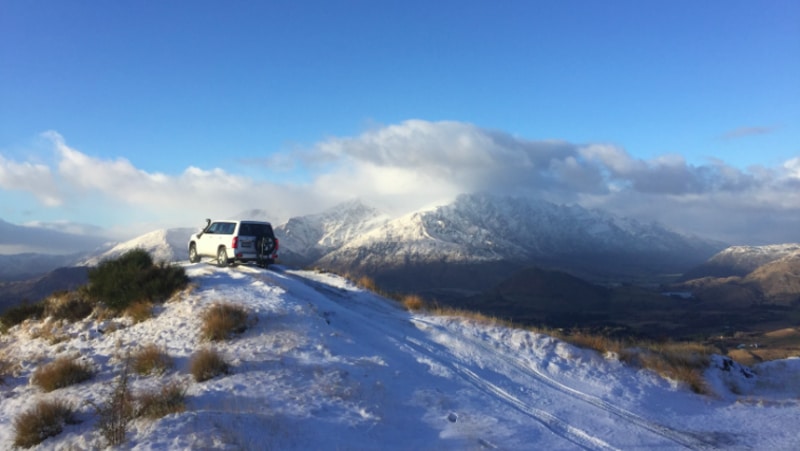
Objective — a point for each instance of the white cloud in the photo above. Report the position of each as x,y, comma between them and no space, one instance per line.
403,167
34,178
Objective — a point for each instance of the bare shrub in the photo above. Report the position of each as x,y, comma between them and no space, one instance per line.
412,302
207,364
223,319
117,412
139,311
46,419
60,373
170,398
151,359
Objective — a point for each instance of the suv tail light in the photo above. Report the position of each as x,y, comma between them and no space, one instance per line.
235,242
277,245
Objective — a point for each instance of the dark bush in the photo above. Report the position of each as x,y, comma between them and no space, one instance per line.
18,314
134,277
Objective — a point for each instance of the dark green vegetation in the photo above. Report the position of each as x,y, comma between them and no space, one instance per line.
134,277
116,284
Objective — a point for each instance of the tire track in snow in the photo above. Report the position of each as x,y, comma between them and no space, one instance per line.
552,423
556,425
685,439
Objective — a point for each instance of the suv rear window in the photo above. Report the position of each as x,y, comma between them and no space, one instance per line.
252,229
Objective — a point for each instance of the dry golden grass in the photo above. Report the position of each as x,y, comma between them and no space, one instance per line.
139,311
150,359
45,419
60,373
223,319
207,364
69,305
683,362
470,315
412,302
170,398
7,367
49,331
367,283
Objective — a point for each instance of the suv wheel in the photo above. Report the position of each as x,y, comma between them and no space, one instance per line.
193,257
222,257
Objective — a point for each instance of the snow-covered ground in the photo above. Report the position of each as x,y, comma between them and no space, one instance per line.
328,365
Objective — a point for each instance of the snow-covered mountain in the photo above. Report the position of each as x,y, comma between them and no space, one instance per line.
307,238
167,245
480,228
742,260
748,275
326,365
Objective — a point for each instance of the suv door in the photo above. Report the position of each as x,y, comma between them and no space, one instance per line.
209,242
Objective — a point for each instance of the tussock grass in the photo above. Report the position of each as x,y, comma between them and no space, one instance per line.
207,364
49,331
222,320
150,359
46,419
367,283
154,404
472,315
7,367
68,305
139,311
412,302
61,373
683,362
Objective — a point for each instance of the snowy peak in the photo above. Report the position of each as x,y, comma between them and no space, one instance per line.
482,227
309,237
742,260
168,245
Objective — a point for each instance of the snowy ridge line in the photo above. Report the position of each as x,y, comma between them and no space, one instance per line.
554,424
685,439
557,426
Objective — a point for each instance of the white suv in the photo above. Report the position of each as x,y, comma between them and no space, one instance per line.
235,242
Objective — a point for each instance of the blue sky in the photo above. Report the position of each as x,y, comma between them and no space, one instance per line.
114,114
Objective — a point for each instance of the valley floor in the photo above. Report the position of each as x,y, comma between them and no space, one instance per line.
328,365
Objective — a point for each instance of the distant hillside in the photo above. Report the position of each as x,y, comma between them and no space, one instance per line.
35,289
741,260
748,275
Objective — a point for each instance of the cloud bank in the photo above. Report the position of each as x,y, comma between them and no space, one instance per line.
416,164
